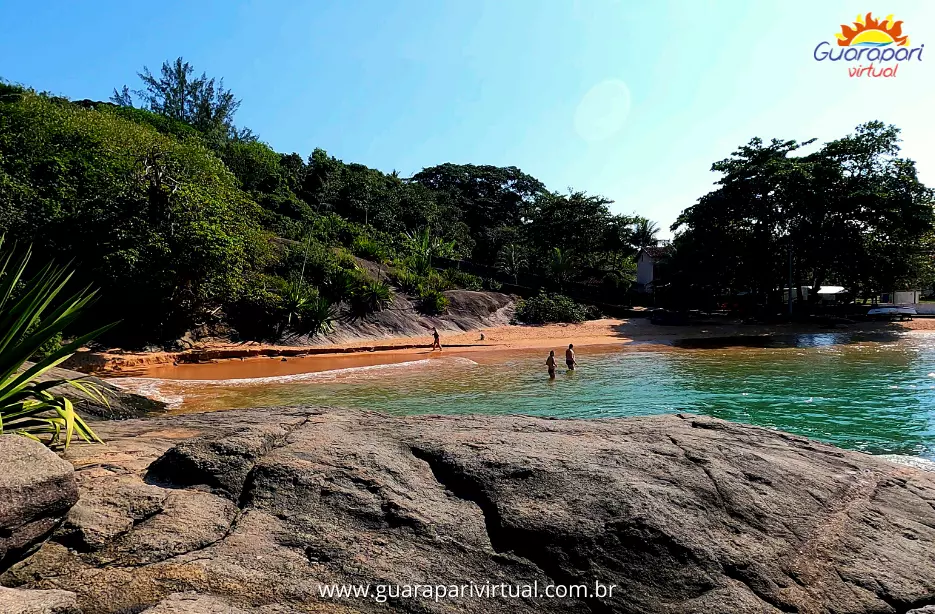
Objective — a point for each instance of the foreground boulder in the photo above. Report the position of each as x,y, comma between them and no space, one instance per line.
36,490
14,601
266,511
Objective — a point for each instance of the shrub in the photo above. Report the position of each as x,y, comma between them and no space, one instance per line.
317,260
316,316
369,249
434,281
406,280
333,229
460,279
296,299
493,285
49,347
548,308
340,285
592,312
433,302
260,309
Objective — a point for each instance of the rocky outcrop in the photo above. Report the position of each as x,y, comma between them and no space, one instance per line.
467,310
400,326
36,490
120,403
262,511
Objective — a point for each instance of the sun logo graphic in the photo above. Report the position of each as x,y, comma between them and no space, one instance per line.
868,32
881,42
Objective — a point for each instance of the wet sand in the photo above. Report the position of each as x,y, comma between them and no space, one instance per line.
234,361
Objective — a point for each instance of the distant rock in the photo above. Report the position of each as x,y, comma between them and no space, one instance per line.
258,511
36,490
467,310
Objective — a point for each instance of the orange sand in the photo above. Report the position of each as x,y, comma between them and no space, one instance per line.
226,360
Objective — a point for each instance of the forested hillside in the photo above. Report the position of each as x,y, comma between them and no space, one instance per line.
185,220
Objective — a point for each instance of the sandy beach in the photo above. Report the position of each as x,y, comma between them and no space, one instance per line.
218,360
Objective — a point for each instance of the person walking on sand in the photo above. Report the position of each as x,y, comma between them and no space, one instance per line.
570,357
436,342
550,363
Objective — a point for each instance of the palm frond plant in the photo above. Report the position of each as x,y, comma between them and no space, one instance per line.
423,246
295,299
340,285
31,316
512,260
370,296
645,233
561,267
317,316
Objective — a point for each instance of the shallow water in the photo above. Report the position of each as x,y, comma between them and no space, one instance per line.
870,395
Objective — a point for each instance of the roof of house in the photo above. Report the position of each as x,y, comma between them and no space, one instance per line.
655,251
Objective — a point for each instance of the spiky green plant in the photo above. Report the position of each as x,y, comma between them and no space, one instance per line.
295,300
371,295
423,246
317,316
30,316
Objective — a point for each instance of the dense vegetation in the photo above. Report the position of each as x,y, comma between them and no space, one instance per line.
852,213
549,308
184,220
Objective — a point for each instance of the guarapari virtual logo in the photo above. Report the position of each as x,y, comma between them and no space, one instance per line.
877,46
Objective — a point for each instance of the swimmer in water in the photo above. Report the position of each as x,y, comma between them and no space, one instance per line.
570,357
550,363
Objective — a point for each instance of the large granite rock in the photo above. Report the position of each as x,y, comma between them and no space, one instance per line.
260,511
15,601
193,603
36,490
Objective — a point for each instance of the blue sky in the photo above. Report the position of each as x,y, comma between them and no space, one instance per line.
632,100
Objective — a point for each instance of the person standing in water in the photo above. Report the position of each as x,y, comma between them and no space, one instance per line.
550,363
436,342
570,357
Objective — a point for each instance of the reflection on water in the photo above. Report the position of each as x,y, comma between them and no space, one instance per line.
873,396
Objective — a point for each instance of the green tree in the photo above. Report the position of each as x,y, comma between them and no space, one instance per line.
853,213
198,101
489,198
512,260
158,223
575,223
645,233
561,267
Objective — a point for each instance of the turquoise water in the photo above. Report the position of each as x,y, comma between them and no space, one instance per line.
876,396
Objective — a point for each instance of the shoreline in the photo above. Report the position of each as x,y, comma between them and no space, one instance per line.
605,332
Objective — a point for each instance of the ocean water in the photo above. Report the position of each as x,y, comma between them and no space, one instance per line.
871,394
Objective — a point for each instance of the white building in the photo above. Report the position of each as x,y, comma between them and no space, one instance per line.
646,261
